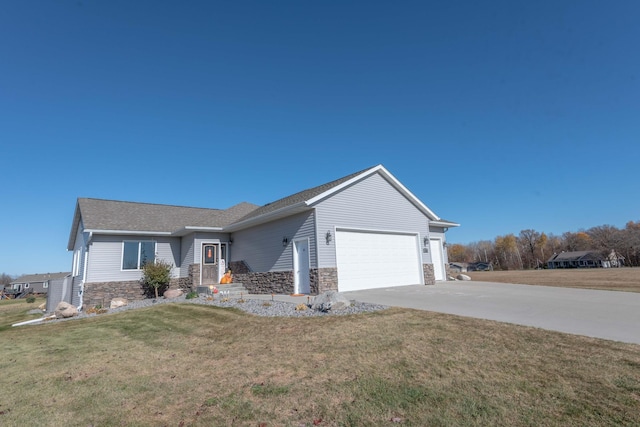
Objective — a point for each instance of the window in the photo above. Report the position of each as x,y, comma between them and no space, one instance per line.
76,263
45,285
137,254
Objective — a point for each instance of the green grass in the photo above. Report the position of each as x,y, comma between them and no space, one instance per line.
206,366
16,310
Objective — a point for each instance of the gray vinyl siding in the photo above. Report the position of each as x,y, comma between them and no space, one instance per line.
105,257
261,246
372,204
59,290
187,248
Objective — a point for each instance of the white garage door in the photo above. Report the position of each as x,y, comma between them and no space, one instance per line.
367,260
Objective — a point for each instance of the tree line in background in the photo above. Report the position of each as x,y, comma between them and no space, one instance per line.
531,249
5,279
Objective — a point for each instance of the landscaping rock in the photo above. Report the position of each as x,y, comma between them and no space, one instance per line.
172,293
42,306
64,310
330,301
463,277
118,302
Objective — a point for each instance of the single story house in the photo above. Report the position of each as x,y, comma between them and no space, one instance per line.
365,230
35,283
585,259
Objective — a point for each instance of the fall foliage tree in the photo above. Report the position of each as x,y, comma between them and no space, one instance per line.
532,249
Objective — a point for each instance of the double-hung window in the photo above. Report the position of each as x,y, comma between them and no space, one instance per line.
136,254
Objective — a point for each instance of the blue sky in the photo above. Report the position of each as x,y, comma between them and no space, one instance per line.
499,115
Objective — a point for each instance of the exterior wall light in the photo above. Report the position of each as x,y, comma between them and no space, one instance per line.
285,241
328,237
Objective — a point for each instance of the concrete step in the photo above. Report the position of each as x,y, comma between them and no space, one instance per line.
234,289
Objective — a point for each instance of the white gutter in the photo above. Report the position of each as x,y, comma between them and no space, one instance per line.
129,232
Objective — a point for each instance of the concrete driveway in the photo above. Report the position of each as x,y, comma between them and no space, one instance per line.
601,314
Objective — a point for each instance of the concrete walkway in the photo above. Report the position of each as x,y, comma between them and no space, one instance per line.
600,314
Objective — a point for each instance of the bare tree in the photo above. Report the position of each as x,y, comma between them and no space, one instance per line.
5,279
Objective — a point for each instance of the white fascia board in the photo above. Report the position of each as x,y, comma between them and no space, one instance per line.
129,232
390,177
444,224
277,214
192,229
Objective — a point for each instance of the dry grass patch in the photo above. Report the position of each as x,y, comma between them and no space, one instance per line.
17,310
200,365
608,279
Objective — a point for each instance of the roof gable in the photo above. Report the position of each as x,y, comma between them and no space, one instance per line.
98,215
305,199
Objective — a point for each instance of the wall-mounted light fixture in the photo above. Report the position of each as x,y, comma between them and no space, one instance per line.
285,241
425,242
230,240
328,237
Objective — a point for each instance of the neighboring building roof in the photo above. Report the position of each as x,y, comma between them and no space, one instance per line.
35,278
116,217
575,256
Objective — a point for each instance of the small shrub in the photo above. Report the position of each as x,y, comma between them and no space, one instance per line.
31,300
301,307
192,295
266,304
156,275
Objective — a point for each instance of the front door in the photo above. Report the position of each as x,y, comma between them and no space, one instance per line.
209,265
301,266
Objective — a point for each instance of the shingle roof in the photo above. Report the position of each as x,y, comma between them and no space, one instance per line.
575,256
299,197
98,214
113,215
41,277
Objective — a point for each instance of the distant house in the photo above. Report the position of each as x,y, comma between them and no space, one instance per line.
480,266
458,267
365,230
585,259
35,283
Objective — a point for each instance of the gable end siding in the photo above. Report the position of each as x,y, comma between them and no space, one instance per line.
369,204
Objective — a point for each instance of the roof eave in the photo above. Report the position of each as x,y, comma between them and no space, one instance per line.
442,223
193,229
268,217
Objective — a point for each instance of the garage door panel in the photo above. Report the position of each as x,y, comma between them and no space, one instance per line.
367,260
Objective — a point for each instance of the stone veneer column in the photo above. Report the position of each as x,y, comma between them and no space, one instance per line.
327,280
429,274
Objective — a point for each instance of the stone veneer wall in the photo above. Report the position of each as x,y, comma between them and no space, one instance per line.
429,274
101,293
274,282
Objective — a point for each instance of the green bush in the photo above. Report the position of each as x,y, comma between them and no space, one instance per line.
156,275
31,299
191,295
